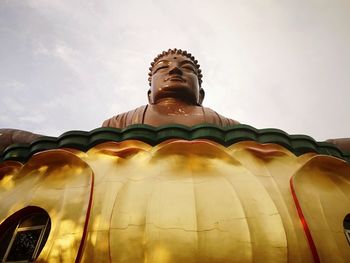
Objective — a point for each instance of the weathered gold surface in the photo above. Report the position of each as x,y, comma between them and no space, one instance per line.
183,201
322,186
60,183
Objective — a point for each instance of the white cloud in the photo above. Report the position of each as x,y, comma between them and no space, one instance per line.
33,119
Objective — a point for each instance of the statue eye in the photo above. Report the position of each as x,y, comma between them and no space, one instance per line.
160,68
189,67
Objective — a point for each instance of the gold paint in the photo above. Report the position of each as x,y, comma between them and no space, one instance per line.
160,255
7,171
43,169
322,186
274,173
50,180
184,201
7,182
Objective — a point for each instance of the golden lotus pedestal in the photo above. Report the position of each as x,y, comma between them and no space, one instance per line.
184,201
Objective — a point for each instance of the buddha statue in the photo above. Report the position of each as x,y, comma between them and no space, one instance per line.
175,95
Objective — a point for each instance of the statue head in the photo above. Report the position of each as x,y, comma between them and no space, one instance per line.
175,74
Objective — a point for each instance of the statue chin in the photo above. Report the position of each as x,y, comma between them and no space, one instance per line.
176,93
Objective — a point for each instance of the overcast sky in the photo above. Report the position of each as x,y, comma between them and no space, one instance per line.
69,65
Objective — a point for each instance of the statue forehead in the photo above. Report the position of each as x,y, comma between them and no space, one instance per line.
173,57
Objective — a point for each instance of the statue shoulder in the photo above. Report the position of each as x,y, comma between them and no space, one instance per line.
11,136
342,143
212,116
125,119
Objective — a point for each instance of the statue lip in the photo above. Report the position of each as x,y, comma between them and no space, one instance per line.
175,78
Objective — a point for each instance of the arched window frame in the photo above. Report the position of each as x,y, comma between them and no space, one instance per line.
17,219
346,225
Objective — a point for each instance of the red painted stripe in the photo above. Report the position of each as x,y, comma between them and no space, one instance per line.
86,224
304,224
109,229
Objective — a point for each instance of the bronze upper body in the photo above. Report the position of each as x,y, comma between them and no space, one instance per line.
175,96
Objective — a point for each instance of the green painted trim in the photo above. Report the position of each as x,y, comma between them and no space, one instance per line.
81,140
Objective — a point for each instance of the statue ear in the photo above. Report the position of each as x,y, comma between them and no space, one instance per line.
149,96
201,96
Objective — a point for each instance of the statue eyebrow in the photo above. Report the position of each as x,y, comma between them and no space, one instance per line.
163,60
181,63
187,61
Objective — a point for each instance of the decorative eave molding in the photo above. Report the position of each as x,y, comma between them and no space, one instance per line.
83,141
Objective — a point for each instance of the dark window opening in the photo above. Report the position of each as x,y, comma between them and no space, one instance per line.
346,225
23,235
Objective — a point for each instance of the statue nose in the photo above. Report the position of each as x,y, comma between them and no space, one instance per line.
175,70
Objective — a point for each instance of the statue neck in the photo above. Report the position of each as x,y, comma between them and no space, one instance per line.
172,111
173,102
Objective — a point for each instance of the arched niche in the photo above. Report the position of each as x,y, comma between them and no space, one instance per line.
24,234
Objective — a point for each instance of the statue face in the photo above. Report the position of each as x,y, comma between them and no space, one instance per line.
175,76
